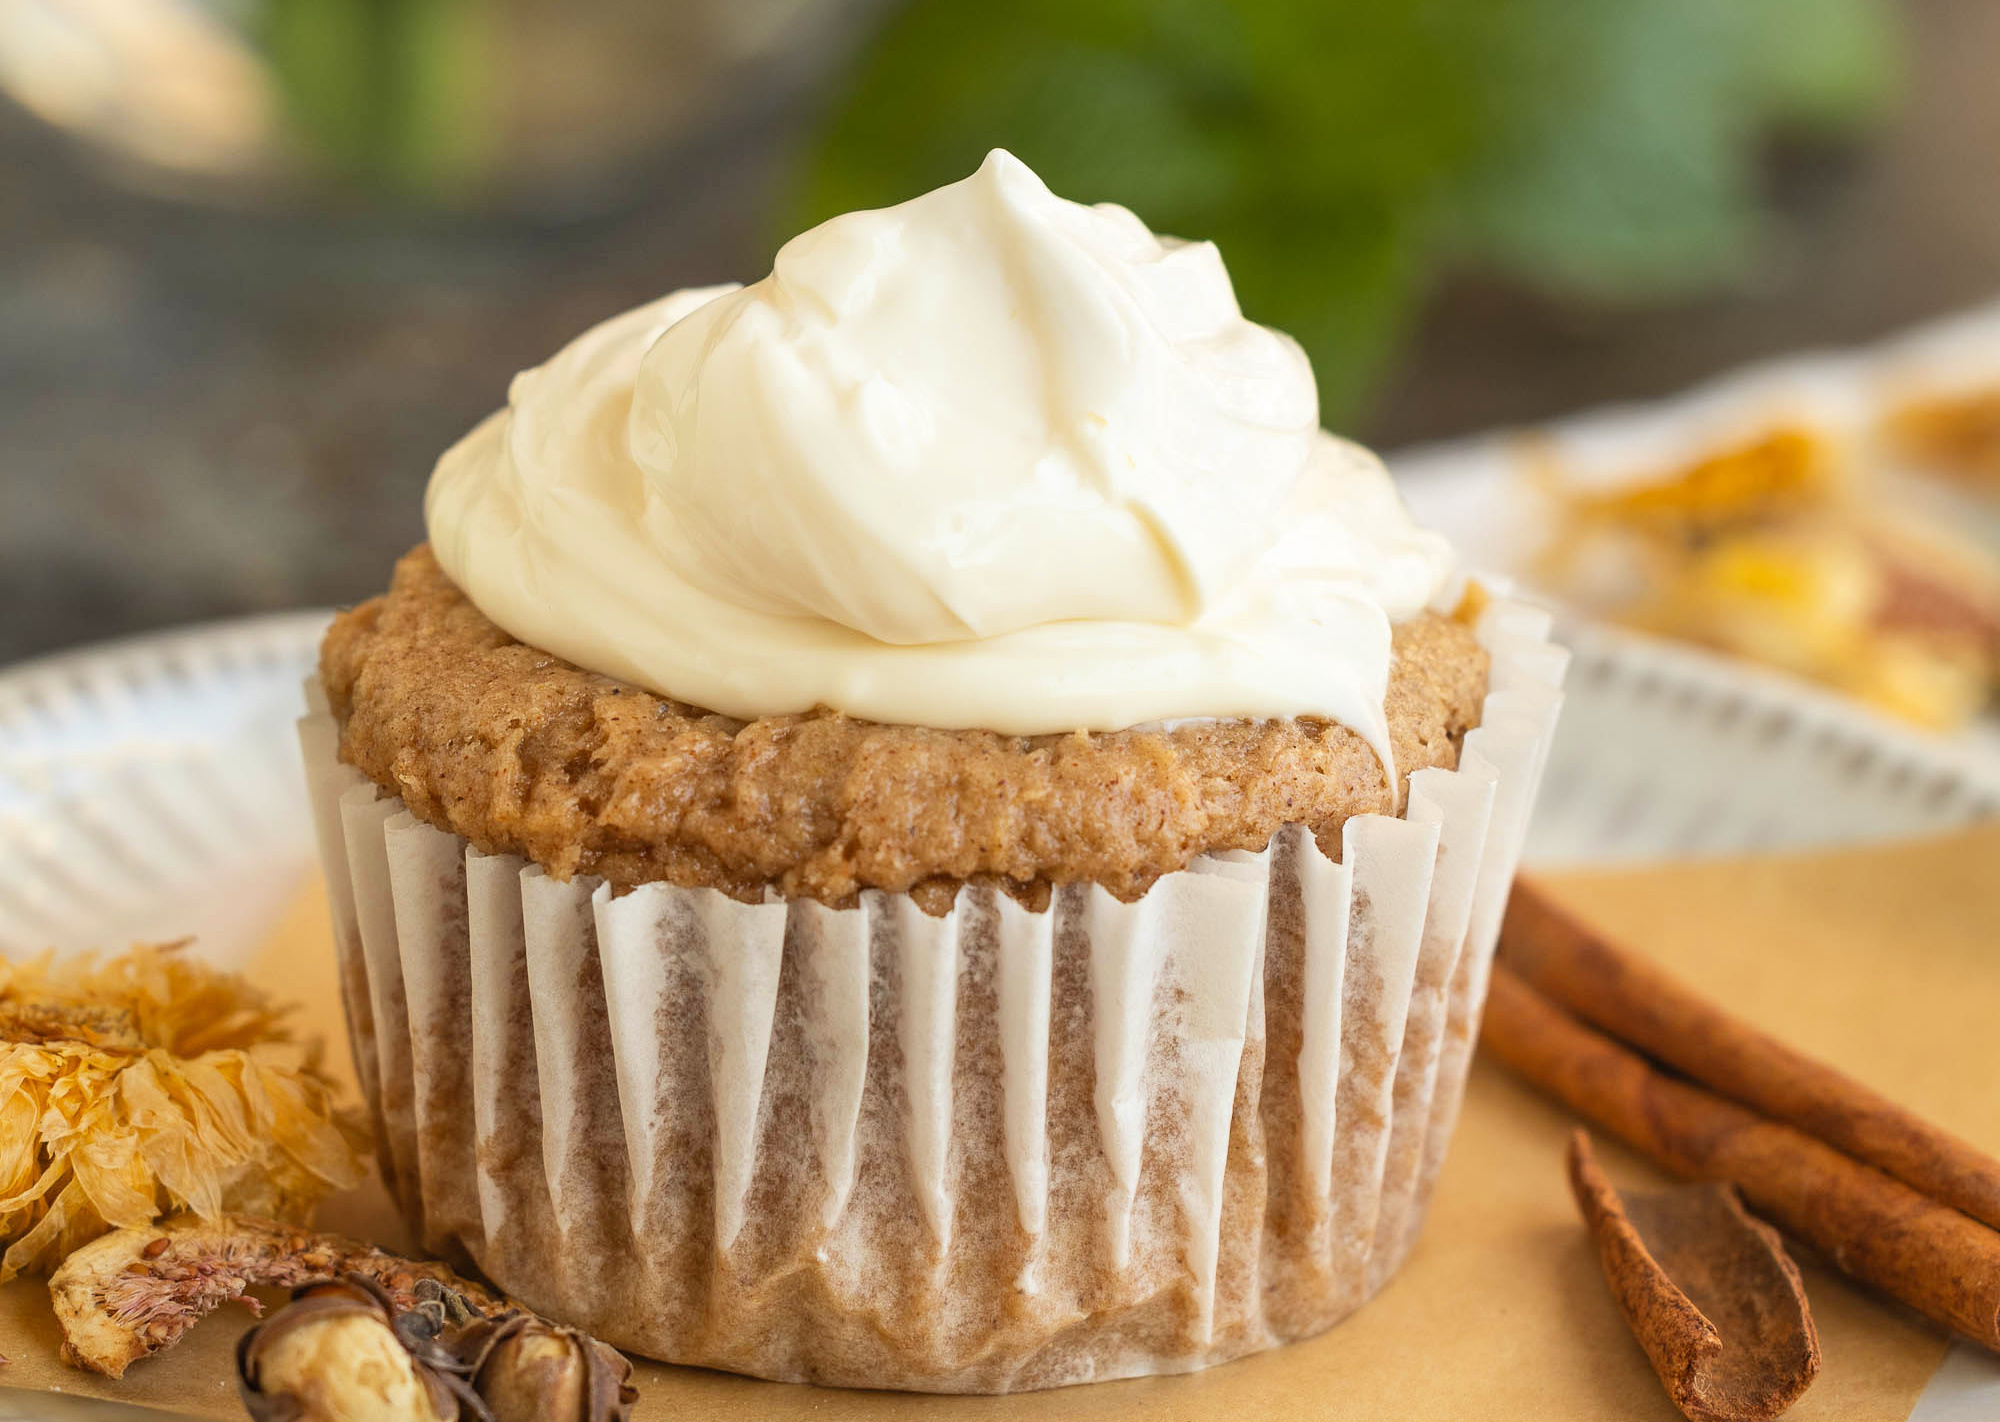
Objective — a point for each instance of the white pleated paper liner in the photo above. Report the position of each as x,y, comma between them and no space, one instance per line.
990,1151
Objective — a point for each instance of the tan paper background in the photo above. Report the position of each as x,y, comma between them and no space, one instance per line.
1886,961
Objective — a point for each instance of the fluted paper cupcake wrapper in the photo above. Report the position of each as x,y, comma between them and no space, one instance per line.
988,1151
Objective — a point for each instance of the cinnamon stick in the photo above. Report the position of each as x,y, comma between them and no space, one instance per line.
1578,968
1709,1292
1937,1260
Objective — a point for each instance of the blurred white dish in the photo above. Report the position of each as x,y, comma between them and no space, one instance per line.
151,788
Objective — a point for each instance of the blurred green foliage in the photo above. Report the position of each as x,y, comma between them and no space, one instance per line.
386,93
1344,152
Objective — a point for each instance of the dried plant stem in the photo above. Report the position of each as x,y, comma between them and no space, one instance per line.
133,1292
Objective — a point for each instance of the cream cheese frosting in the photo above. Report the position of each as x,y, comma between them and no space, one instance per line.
987,459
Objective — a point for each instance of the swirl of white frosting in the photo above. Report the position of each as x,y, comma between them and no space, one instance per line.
985,459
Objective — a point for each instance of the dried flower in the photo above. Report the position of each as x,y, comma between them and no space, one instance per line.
134,1292
150,1083
343,1352
526,1370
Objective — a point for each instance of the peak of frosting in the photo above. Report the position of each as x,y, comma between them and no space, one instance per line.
988,458
1009,408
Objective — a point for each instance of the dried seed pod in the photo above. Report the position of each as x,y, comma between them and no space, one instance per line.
528,1370
133,1292
343,1352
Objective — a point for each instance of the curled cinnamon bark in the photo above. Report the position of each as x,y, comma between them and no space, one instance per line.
1942,1263
1566,961
1710,1294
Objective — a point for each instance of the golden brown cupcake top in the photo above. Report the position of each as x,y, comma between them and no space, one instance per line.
522,753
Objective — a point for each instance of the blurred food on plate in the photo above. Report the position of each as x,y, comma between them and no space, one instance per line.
1759,551
1938,407
1828,515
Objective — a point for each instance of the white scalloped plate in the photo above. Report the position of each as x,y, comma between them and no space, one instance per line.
151,789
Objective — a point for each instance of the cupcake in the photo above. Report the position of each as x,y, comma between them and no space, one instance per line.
918,824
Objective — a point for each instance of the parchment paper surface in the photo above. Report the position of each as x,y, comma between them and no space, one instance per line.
1881,960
